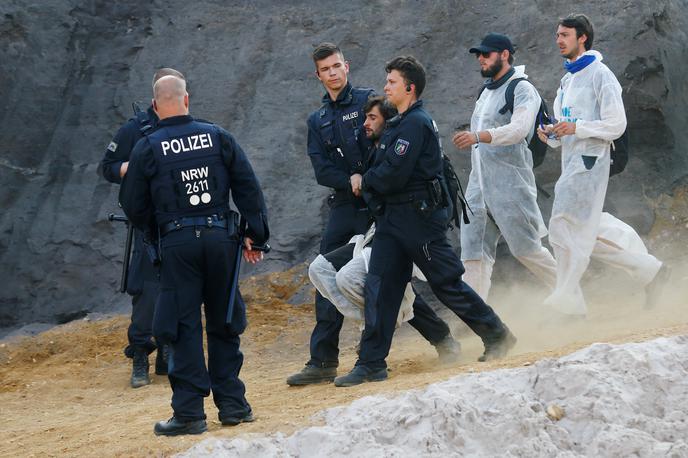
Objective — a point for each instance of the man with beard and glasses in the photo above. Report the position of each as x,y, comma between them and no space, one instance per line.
501,187
340,275
591,116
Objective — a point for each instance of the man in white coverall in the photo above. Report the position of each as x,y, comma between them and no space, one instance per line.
591,115
501,182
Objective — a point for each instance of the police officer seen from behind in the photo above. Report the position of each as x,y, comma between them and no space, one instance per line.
179,180
407,175
336,147
143,284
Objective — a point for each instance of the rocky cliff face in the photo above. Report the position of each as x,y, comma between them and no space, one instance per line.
69,71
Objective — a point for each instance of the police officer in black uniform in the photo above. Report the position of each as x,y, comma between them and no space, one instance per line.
424,320
179,181
407,175
338,149
143,281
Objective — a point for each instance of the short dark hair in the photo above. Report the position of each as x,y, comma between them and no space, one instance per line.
411,70
166,71
386,109
583,26
325,50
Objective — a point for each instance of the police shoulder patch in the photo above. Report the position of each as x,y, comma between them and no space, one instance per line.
401,146
112,147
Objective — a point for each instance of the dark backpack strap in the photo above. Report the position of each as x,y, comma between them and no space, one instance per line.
509,95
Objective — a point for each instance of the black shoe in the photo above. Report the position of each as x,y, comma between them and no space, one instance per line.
361,374
161,360
653,290
139,372
174,427
234,418
498,348
312,374
448,350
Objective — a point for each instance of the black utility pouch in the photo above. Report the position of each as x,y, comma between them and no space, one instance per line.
435,191
233,224
423,207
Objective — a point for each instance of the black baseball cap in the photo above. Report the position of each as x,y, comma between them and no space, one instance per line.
493,42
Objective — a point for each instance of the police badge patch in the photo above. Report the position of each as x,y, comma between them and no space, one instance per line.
112,147
401,146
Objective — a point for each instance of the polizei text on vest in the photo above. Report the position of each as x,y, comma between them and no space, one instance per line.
185,144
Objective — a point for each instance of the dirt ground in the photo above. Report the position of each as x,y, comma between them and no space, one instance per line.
65,392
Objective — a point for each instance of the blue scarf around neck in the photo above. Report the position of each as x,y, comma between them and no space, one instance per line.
579,64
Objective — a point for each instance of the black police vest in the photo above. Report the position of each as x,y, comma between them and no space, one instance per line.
191,178
341,130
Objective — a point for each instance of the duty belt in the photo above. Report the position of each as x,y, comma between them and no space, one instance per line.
408,197
194,221
342,196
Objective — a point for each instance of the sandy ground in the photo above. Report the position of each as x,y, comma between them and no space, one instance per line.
65,392
606,400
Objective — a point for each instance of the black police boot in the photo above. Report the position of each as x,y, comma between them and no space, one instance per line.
448,350
361,374
139,372
161,359
653,290
312,374
174,427
233,418
498,348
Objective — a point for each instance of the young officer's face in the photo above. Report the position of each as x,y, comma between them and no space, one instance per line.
374,124
395,89
569,45
332,71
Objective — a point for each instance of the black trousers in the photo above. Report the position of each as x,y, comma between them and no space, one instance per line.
197,268
345,221
405,237
433,328
143,286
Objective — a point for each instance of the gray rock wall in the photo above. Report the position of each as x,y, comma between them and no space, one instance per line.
69,70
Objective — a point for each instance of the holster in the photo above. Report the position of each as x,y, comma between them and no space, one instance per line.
425,198
375,203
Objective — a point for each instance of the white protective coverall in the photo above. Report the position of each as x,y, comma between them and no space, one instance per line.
578,228
345,288
502,182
